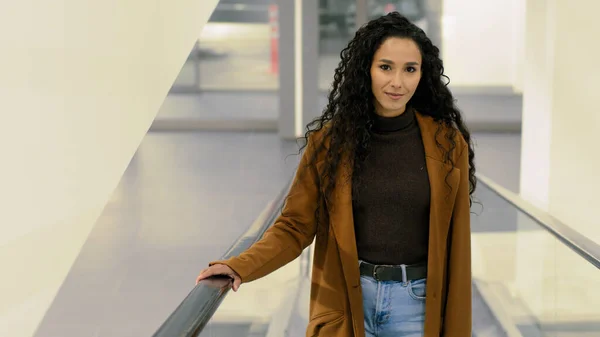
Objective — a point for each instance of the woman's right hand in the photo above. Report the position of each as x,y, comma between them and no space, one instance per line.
220,269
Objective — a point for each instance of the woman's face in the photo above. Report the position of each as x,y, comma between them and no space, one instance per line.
395,75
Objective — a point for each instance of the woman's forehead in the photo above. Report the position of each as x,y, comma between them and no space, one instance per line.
398,50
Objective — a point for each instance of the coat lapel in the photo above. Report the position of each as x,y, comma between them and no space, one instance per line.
443,189
342,221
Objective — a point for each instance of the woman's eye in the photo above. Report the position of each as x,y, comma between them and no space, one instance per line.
384,67
411,69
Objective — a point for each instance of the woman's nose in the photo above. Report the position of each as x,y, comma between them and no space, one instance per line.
397,81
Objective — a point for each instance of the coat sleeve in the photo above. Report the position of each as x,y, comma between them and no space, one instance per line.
291,232
457,320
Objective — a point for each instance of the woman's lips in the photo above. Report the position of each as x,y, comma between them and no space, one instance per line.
394,96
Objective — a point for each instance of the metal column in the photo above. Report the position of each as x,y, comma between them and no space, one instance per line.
298,65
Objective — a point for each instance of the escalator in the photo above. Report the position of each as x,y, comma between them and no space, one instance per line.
532,276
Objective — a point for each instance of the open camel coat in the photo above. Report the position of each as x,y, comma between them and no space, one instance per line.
336,298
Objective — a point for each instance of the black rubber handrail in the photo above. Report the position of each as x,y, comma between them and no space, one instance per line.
196,310
577,242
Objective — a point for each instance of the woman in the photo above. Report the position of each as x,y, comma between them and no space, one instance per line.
385,186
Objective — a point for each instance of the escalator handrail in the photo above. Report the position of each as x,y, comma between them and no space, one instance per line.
196,310
576,241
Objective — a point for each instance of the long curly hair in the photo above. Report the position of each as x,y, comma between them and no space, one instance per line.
349,114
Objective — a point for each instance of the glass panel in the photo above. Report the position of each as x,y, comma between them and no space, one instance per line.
336,28
532,281
231,73
237,40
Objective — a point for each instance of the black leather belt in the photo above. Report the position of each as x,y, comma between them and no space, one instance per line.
393,273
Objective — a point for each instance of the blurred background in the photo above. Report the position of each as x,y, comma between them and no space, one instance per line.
142,140
236,52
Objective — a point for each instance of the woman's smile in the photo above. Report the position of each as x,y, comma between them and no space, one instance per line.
394,96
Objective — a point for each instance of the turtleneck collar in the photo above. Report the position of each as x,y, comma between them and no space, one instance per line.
397,123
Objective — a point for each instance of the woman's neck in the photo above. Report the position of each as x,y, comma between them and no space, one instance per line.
395,123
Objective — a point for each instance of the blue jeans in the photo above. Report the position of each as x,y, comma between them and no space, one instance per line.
393,308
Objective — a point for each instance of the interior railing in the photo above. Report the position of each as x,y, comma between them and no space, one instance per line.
192,315
584,247
536,275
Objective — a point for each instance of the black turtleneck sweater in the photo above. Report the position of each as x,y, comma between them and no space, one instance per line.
391,210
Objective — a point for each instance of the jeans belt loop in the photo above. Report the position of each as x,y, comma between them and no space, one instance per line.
404,277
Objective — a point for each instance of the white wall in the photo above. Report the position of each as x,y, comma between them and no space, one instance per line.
560,158
480,41
560,161
80,84
537,104
519,31
575,153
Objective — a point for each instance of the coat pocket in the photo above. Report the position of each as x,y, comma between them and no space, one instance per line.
325,324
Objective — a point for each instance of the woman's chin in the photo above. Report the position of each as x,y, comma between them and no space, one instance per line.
392,110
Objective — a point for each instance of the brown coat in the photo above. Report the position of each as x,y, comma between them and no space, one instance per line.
336,298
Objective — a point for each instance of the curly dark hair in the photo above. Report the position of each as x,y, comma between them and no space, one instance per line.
350,110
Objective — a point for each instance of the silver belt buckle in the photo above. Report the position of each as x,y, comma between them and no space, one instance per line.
375,276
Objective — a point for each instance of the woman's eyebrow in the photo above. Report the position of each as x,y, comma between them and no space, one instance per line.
390,62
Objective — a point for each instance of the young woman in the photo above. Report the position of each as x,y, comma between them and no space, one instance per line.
384,185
